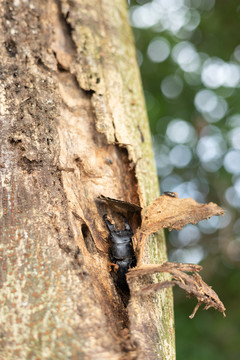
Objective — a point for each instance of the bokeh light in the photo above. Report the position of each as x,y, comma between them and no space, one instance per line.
216,73
180,131
185,54
158,49
172,86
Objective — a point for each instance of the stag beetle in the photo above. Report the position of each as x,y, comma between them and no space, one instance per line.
121,251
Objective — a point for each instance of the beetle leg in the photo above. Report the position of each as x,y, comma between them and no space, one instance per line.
115,267
110,226
111,257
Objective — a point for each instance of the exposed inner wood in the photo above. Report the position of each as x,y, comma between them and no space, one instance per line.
98,168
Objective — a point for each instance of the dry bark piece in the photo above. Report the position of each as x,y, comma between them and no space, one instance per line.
120,204
192,284
172,212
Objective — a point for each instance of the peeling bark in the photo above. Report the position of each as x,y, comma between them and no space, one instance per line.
73,127
171,212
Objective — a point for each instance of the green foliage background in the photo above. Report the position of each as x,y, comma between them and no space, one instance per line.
208,167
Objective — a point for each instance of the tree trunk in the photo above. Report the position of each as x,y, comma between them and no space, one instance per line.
73,127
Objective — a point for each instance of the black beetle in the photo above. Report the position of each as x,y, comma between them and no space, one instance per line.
121,251
170,193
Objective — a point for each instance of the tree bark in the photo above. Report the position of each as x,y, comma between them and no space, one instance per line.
73,126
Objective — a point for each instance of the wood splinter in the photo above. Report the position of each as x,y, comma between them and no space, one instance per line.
192,284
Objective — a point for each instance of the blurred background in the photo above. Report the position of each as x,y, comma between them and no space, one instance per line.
189,57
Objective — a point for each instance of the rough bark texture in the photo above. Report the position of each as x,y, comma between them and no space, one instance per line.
73,126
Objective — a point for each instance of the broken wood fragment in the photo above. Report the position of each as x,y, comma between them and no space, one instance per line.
120,204
192,284
172,212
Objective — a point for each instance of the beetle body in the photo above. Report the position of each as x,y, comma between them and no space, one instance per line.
121,251
170,193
